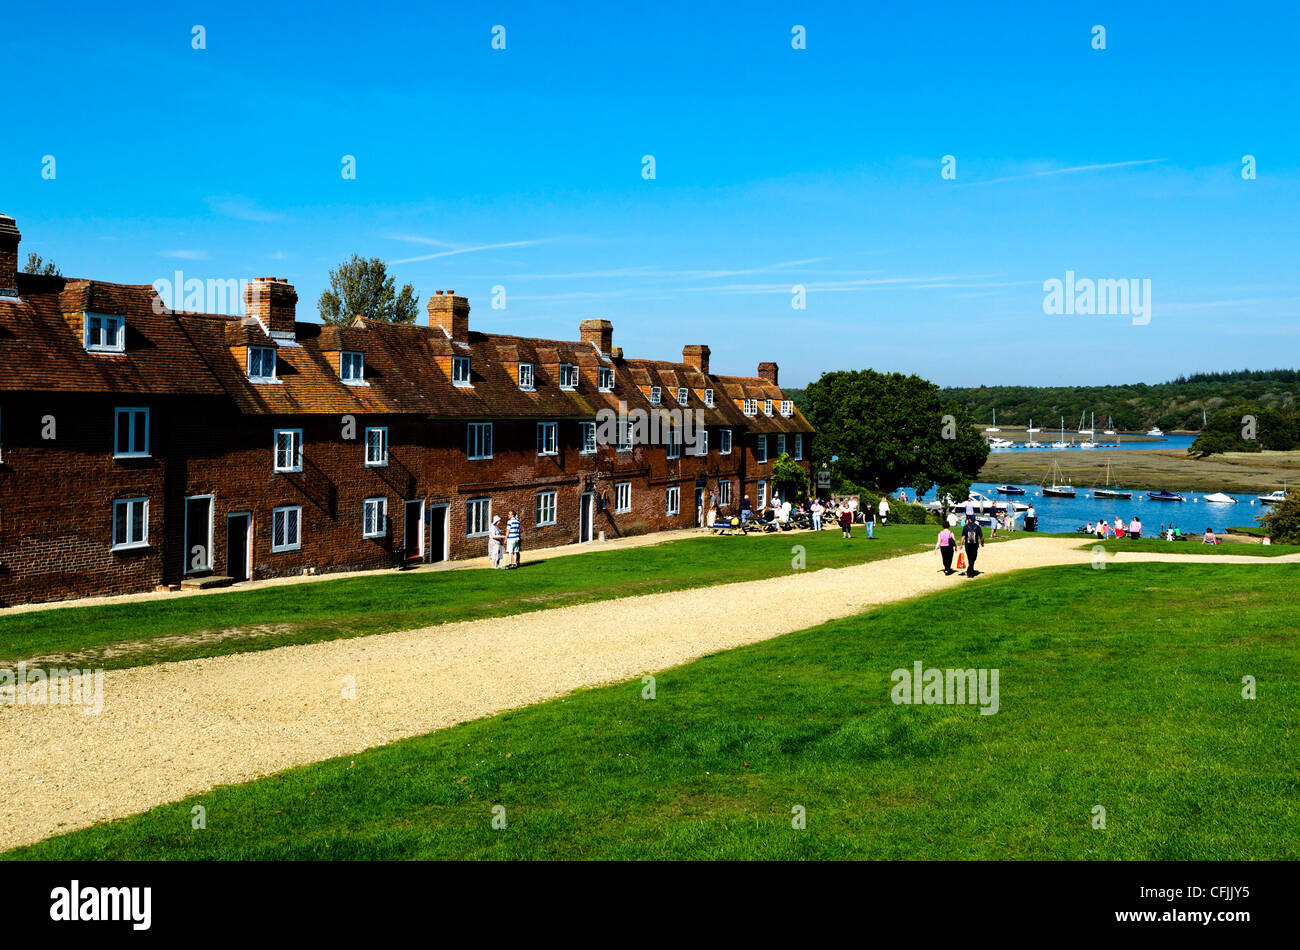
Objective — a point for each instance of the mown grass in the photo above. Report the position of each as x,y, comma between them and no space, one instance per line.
139,634
1192,545
1120,688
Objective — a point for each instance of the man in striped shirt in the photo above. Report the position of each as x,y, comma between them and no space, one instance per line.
512,539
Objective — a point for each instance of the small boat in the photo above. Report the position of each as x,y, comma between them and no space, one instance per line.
1056,489
1000,443
1089,444
1110,426
1164,496
1010,490
1031,430
1219,498
1273,498
1033,444
994,427
1155,431
1108,490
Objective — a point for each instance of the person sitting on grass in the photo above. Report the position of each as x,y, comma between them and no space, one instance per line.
1209,537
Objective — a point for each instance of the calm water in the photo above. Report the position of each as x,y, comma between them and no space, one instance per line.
1183,442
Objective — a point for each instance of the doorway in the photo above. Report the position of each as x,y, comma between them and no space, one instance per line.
586,506
413,531
198,534
239,538
438,537
700,513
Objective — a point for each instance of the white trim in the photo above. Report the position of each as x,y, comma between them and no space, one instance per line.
297,523
487,517
117,347
129,545
275,365
555,508
620,508
296,465
470,427
382,531
553,428
383,461
130,436
212,504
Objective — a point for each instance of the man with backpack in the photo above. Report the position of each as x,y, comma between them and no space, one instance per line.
972,539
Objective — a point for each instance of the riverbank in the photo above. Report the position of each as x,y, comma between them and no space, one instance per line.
1151,470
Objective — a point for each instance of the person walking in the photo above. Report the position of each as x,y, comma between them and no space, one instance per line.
946,545
513,539
746,508
846,521
972,536
496,542
817,511
884,511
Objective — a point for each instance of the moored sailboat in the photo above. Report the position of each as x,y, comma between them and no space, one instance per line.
1108,489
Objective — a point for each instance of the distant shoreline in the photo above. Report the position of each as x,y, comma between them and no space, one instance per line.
1151,470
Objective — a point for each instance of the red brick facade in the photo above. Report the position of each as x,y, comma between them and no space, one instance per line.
210,455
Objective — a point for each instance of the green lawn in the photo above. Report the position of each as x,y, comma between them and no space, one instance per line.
1192,545
242,621
1119,688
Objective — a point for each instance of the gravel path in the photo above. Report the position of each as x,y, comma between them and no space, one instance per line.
176,729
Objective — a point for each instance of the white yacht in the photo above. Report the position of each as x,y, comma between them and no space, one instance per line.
1155,430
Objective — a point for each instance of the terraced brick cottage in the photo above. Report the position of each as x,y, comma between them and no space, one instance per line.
143,447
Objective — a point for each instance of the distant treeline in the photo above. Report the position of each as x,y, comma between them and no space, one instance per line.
1176,404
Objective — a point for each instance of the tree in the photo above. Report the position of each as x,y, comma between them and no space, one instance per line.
35,265
362,287
889,431
1282,523
789,479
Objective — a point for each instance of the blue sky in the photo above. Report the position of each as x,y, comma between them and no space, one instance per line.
774,167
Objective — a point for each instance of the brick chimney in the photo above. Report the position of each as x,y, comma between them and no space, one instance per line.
450,312
273,301
9,238
599,332
769,372
697,355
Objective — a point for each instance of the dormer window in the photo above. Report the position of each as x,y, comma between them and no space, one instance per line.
568,376
261,364
352,368
787,407
460,371
751,407
767,407
655,393
606,379
105,334
525,375
708,398
683,394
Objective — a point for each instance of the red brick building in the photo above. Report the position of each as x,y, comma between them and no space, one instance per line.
141,446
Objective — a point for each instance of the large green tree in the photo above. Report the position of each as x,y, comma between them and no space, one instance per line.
789,478
363,287
888,431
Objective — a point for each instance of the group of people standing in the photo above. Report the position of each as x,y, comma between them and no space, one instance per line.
504,543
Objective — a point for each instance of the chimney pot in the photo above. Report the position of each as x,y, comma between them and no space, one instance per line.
273,301
598,332
450,312
769,371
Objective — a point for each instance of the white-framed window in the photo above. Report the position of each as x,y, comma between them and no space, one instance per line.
702,442
374,518
762,495
674,443
588,438
105,333
622,497
798,447
787,407
568,376
286,528
545,508
460,375
548,439
479,443
780,444
672,500
477,511
288,450
767,407
724,492
751,407
261,364
606,378
683,395
760,448
377,447
708,398
130,433
526,376
724,441
624,429
352,367
655,394
130,523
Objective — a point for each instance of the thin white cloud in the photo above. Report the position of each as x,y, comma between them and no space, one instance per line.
1071,171
464,250
241,208
185,255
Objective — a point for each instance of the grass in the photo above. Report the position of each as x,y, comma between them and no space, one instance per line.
1192,545
1240,473
139,634
1121,689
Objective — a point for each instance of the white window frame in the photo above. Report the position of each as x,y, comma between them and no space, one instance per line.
673,501
104,321
130,543
605,376
751,407
529,371
655,395
275,365
480,433
760,449
588,430
465,379
787,407
683,395
352,368
780,444
381,461
708,398
473,505
724,492
623,435
134,412
702,442
622,497
282,513
674,442
798,446
760,493
548,438
569,372
294,447
724,441
545,500
380,520
767,407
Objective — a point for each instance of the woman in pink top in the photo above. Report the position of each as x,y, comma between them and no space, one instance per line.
946,545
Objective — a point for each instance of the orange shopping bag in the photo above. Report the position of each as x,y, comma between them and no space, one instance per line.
961,561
